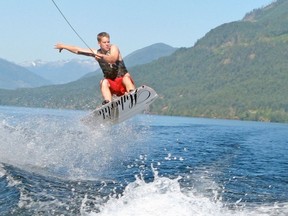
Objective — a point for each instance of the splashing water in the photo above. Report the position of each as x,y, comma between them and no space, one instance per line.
63,147
164,196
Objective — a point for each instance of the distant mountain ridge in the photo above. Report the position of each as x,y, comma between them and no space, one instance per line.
14,76
63,71
148,54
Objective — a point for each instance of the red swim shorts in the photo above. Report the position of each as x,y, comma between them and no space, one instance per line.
117,87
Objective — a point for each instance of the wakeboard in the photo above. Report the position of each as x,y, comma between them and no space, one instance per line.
122,108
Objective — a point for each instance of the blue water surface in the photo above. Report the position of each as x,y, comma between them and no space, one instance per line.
52,164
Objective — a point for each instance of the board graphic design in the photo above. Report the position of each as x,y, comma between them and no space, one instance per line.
123,107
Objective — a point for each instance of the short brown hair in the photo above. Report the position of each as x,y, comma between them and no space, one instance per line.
101,35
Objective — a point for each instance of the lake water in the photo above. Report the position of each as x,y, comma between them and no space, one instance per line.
52,164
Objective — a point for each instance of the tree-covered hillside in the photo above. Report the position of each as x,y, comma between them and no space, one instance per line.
238,70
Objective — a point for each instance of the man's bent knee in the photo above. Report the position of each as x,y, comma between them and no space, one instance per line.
104,83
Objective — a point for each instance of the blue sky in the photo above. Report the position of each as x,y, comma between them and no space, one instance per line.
30,28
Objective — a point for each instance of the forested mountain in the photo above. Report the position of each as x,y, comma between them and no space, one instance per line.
238,70
13,76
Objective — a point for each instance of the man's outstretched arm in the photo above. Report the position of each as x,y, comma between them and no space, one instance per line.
75,50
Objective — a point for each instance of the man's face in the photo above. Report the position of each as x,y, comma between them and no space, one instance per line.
105,44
